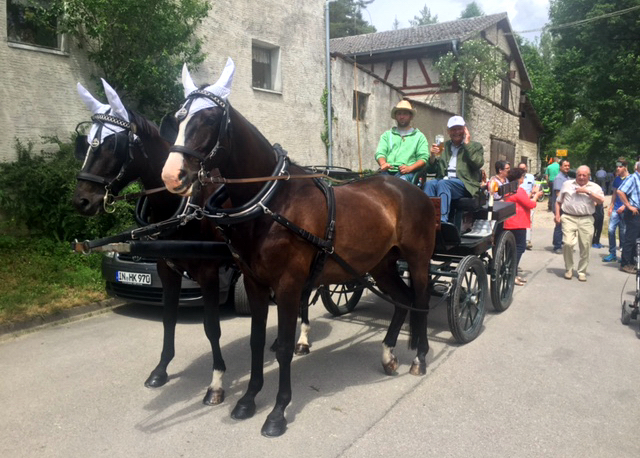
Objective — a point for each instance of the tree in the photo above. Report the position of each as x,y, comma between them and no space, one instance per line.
138,47
424,18
475,60
346,18
596,65
396,24
551,104
471,10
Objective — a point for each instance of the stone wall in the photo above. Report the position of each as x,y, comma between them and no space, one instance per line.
38,91
38,88
355,142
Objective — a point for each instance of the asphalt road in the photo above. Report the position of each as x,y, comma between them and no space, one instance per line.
553,376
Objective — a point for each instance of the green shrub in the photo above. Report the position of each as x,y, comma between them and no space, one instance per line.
36,192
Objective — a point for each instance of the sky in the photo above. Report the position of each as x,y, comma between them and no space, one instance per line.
523,14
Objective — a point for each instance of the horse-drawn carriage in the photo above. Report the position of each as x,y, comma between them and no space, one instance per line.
288,231
468,250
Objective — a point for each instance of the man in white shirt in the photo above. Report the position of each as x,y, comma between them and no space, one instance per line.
575,206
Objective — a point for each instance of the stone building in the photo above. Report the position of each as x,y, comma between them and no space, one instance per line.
278,48
499,117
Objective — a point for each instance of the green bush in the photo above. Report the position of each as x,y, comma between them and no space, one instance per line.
36,192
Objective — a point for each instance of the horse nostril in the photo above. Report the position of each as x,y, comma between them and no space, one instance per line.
182,175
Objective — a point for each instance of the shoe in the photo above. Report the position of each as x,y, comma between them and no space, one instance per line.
529,245
568,274
582,277
597,245
557,251
629,269
610,258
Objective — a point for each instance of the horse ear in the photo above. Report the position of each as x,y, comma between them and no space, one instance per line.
117,108
222,88
187,82
94,105
169,128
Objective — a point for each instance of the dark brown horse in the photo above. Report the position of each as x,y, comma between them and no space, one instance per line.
378,221
118,158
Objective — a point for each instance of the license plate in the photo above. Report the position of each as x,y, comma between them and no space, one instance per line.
132,278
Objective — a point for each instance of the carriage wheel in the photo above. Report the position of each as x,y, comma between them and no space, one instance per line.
467,300
626,313
341,299
503,274
541,197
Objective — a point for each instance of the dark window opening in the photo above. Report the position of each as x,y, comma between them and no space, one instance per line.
25,25
360,100
261,65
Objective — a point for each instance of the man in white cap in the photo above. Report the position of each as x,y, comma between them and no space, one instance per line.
457,168
402,150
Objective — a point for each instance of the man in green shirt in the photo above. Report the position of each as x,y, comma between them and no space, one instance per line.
551,173
402,150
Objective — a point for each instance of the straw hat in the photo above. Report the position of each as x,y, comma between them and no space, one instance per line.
403,105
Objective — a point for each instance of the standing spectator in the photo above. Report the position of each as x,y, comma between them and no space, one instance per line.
561,177
499,179
609,182
601,177
598,221
629,193
519,223
616,210
403,149
577,200
552,171
529,185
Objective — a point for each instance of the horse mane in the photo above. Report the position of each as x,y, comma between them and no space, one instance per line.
144,126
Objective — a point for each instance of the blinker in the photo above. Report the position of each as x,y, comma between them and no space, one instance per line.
181,114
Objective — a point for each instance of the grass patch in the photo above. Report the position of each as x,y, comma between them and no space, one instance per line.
40,277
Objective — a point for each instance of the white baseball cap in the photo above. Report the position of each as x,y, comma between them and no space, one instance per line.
455,121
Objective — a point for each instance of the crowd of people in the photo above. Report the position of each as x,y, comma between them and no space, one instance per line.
577,203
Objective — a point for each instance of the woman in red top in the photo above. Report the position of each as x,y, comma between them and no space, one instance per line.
521,221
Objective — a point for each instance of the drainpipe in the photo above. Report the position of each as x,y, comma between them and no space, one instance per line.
328,58
454,45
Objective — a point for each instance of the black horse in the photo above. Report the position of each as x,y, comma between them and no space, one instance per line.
377,222
133,150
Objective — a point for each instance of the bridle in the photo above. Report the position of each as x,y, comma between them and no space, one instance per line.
103,121
223,132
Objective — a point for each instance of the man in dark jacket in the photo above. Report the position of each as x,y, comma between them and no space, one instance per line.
457,167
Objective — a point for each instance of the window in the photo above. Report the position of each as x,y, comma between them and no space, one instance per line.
360,100
506,92
265,62
24,27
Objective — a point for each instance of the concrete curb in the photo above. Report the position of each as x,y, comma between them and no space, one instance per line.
73,314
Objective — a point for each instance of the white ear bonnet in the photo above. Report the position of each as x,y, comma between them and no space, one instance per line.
222,88
114,108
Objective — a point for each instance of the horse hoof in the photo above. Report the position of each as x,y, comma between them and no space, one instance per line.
213,397
274,428
156,380
418,369
390,367
243,411
301,349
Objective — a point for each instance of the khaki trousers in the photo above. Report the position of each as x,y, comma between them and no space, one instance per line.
576,229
